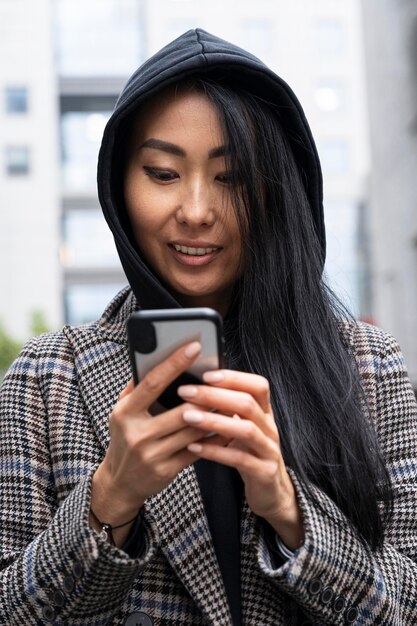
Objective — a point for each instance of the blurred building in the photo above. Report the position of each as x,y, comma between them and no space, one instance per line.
317,48
30,275
78,55
390,28
97,45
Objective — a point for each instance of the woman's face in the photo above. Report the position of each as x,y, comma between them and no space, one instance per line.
178,199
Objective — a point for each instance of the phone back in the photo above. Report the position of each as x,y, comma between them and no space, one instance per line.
154,335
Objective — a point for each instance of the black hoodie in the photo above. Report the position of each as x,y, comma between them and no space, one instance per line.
196,52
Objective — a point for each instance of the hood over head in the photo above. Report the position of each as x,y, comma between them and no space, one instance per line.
196,53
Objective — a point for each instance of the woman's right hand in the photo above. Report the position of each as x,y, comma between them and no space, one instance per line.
146,451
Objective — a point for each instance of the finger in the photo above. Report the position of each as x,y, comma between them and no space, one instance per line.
245,432
173,434
243,461
155,382
171,445
168,428
230,401
168,446
216,439
146,427
180,460
257,386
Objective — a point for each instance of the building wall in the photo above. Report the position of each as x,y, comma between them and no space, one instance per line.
391,60
29,206
316,47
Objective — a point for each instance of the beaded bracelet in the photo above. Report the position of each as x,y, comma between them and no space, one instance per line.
106,532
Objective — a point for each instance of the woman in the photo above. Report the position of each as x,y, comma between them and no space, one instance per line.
210,182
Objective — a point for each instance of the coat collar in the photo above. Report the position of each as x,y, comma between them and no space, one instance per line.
103,370
101,361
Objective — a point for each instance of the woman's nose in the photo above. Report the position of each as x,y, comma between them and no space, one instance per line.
197,206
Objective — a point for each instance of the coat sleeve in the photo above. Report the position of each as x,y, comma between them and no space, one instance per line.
53,567
334,577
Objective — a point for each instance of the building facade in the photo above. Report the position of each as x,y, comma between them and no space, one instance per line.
91,49
391,59
30,275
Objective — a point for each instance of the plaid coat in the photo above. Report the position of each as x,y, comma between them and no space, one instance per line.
54,568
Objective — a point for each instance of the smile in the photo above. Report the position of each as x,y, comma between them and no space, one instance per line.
193,251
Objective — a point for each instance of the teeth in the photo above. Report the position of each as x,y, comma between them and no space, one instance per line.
193,251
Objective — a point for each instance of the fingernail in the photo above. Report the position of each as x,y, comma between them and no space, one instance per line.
192,349
213,377
192,417
187,391
194,447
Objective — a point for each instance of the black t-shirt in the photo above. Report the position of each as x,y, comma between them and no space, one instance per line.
222,492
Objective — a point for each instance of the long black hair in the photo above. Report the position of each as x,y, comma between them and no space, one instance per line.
286,324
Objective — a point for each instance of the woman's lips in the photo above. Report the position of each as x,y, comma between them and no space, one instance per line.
195,256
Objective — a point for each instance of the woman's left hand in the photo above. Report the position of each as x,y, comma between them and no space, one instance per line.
244,417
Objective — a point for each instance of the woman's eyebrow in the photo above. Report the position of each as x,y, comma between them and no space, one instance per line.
221,151
165,146
172,148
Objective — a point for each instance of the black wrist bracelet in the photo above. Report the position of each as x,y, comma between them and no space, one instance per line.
106,531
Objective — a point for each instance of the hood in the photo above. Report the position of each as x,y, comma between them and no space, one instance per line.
195,52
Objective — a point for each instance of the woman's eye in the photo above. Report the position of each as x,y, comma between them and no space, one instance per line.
159,174
226,179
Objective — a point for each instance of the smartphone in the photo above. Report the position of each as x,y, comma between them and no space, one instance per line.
155,334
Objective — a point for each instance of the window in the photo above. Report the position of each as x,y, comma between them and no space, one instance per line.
334,155
329,96
81,133
99,37
88,242
17,160
86,302
342,263
16,100
329,37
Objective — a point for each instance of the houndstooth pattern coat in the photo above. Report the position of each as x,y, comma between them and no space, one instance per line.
54,568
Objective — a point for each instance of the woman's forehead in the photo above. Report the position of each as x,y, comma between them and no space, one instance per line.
177,110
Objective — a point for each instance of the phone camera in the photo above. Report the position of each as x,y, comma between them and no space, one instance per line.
146,338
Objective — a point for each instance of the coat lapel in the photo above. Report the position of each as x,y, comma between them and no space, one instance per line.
102,361
179,515
103,370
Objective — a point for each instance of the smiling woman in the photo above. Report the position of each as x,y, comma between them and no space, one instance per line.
300,507
178,200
